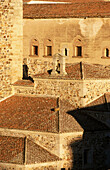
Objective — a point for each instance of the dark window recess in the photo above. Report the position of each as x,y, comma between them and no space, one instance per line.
79,51
107,52
49,50
25,71
66,52
35,50
86,156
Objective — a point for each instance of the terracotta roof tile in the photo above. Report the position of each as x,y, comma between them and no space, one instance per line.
37,154
73,10
23,83
88,122
102,103
92,71
76,72
29,113
37,114
11,149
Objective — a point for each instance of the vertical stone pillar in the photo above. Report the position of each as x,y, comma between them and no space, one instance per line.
54,65
62,65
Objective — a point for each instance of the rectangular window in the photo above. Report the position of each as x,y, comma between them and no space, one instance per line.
35,50
78,51
86,156
107,52
49,50
66,52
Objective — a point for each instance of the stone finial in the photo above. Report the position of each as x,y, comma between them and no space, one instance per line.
58,64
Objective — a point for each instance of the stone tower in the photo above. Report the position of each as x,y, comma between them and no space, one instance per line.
11,44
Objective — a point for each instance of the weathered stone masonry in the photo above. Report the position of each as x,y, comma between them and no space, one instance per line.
11,38
77,92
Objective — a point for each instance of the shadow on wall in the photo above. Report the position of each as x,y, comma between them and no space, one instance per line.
93,151
25,73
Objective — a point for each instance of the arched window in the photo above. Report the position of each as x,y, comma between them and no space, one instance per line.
48,49
34,48
77,47
78,51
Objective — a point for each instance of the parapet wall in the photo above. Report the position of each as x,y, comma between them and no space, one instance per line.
11,48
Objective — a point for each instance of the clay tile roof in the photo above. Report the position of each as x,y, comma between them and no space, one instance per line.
95,115
37,114
102,103
78,71
70,10
23,83
92,71
89,122
29,113
11,149
37,154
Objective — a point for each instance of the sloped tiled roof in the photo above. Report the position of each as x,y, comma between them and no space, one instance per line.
24,83
37,114
71,10
78,71
16,150
11,149
29,113
37,154
92,71
87,121
67,122
95,115
102,103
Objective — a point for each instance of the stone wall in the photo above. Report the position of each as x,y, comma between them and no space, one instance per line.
71,150
66,33
35,65
76,92
11,41
98,146
94,88
66,146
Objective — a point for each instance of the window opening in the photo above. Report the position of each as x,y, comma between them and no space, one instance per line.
49,50
79,50
85,156
25,71
65,51
107,52
35,50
